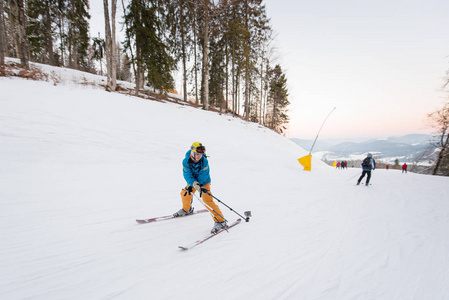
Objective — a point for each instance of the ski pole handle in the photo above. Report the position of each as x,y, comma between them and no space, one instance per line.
247,213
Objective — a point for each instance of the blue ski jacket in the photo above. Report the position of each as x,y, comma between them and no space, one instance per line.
196,171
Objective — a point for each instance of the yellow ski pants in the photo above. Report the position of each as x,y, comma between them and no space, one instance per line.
207,199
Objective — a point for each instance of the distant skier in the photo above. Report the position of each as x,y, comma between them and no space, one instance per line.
196,173
387,167
404,168
368,164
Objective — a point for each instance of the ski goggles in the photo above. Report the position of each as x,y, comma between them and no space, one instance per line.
200,149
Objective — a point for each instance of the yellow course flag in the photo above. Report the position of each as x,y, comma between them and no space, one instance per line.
306,161
335,164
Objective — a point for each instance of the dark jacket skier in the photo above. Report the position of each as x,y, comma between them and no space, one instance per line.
368,164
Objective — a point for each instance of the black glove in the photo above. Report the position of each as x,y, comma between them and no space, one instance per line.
188,189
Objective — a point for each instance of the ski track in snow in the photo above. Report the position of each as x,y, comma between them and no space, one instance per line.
80,165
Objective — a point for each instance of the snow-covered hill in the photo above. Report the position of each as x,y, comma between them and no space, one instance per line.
79,165
412,148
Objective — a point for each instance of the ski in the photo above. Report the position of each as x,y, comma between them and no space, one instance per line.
196,243
163,218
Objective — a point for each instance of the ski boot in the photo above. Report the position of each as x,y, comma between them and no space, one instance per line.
219,226
182,213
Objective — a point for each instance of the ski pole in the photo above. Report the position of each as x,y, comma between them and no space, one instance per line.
209,208
247,213
354,176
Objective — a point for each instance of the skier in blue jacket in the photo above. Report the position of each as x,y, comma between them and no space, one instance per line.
368,164
196,173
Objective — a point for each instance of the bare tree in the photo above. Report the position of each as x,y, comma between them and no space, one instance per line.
110,45
440,120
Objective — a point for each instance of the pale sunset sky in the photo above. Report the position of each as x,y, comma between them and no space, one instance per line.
380,63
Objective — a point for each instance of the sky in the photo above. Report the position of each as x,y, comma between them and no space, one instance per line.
80,165
381,64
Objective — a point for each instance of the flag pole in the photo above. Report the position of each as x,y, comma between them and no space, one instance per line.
320,130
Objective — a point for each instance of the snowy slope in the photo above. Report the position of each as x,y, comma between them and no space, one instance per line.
79,165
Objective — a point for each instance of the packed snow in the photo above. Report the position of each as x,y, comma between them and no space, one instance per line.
80,165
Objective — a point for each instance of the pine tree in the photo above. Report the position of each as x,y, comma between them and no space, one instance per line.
60,35
78,34
40,30
144,27
180,24
264,67
124,73
217,75
98,48
249,25
227,34
278,99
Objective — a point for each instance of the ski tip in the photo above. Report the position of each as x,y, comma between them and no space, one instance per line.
183,248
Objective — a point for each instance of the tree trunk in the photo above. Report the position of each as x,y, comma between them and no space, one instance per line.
438,162
73,50
225,103
440,120
444,147
195,61
246,51
261,91
114,45
110,45
139,70
13,17
23,44
238,93
2,42
61,34
233,78
130,48
107,44
183,51
205,75
49,46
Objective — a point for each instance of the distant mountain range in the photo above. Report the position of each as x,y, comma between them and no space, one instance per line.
407,148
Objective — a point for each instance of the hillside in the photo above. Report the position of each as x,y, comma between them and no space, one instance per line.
408,148
79,165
